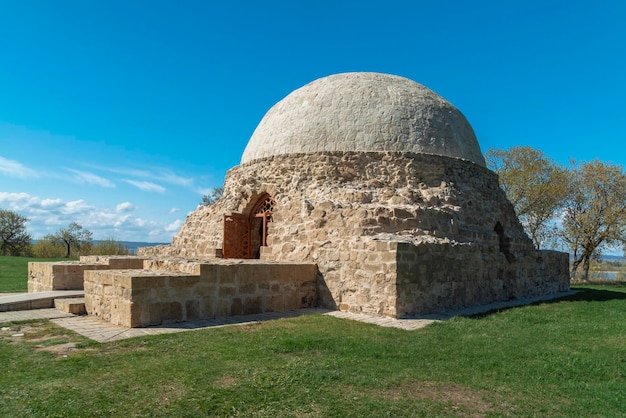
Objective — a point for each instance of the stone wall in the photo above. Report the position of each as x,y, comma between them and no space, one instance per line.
358,276
365,193
135,298
337,209
115,261
436,277
68,275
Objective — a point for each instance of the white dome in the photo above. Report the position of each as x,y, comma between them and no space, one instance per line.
364,112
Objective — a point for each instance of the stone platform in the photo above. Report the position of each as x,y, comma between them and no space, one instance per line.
133,291
39,300
68,275
102,331
174,291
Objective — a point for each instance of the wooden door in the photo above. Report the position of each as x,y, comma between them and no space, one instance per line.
236,236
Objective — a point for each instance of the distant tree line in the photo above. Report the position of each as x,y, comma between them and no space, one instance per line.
70,242
581,208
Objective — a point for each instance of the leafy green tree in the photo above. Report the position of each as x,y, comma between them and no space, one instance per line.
73,238
595,212
209,199
535,185
14,240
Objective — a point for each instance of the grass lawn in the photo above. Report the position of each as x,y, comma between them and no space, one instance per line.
559,359
14,272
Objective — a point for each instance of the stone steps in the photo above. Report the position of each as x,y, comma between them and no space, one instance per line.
37,300
75,306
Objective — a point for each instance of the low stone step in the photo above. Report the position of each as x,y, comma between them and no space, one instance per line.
74,306
36,300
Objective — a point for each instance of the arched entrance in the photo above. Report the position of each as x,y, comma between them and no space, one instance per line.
244,235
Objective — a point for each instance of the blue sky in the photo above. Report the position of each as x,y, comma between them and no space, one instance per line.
120,115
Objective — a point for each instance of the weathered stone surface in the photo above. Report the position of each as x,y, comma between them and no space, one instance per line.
74,306
136,298
363,112
381,184
357,248
436,277
68,275
379,202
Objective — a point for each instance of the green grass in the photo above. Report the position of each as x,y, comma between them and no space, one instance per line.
14,272
559,359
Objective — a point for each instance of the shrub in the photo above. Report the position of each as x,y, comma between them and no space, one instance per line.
50,248
107,246
47,248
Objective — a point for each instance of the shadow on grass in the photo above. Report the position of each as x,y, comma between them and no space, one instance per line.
590,294
584,293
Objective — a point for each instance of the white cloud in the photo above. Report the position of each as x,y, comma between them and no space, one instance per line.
76,207
90,178
18,201
48,215
124,207
16,169
51,203
174,226
153,173
119,222
173,210
172,178
124,227
147,186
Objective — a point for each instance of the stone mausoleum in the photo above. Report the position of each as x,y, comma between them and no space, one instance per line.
363,192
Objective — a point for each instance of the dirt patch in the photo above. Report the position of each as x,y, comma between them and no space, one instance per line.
43,339
16,333
41,336
60,350
226,382
19,329
462,401
171,393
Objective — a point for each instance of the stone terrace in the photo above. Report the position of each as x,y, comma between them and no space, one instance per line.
140,291
137,298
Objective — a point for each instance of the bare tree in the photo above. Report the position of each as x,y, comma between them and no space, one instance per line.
216,193
72,237
14,240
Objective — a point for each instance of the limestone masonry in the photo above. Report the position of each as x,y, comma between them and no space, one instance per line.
361,192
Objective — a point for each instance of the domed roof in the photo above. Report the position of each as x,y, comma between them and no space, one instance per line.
364,112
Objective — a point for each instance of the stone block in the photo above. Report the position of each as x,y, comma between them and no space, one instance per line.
192,310
247,289
252,305
236,307
184,282
165,312
226,291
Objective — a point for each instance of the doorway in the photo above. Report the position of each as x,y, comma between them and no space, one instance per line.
244,235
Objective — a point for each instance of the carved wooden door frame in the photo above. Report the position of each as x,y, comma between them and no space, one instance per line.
238,239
